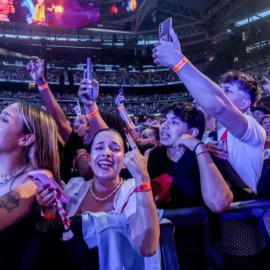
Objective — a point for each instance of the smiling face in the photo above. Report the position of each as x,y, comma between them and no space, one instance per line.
107,155
171,129
11,131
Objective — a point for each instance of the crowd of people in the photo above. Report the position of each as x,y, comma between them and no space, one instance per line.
91,194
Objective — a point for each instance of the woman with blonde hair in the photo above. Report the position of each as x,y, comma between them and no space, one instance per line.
28,143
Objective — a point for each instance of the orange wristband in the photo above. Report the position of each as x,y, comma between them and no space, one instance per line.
42,87
93,114
180,65
121,107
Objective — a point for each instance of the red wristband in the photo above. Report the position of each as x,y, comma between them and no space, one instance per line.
142,188
48,218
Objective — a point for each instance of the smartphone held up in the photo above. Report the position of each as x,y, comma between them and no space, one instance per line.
92,94
164,30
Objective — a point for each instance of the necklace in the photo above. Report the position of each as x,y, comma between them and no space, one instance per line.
106,197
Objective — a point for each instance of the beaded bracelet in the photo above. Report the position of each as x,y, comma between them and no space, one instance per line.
93,114
180,65
42,87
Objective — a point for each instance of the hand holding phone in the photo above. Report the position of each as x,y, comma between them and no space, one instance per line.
93,93
41,178
164,30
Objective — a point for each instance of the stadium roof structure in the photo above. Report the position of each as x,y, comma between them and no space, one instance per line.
197,23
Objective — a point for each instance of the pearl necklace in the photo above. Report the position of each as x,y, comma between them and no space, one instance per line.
106,197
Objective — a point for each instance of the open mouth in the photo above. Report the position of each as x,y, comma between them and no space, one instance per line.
105,164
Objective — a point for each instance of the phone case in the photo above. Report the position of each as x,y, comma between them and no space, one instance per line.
89,69
41,179
164,30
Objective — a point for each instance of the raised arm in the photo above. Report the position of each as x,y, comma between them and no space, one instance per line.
119,102
36,70
216,193
207,94
144,224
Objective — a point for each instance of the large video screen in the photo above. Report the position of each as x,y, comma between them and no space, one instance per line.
70,14
54,13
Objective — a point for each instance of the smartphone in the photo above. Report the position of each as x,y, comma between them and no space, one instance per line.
41,179
89,76
89,69
164,30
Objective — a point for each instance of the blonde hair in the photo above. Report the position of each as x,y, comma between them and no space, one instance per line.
42,153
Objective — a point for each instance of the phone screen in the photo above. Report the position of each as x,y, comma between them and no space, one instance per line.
164,30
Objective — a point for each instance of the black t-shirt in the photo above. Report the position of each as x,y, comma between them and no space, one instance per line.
174,184
73,143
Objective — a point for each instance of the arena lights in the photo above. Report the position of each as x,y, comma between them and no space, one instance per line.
253,18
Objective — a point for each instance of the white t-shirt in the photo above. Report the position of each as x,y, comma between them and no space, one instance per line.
77,189
246,155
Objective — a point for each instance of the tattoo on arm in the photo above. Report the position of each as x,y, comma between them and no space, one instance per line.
10,201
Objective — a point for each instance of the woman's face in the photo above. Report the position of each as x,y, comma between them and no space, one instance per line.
107,155
11,130
80,125
136,133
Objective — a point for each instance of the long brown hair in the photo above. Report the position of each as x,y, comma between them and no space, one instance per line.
42,153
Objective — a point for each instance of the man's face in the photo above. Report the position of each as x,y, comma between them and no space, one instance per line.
171,129
266,124
235,94
258,115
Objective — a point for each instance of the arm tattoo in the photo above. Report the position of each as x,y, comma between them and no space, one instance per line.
9,202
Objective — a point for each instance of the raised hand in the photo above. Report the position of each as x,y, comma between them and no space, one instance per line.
88,91
167,53
136,163
35,67
119,100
